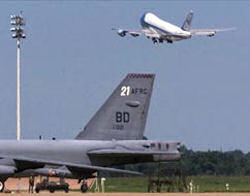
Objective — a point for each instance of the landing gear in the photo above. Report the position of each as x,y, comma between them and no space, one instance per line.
84,187
160,40
37,190
169,41
2,186
154,40
51,190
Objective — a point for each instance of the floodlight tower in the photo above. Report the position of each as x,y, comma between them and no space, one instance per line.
18,34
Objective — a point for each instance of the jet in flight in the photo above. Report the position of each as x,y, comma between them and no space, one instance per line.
160,30
114,136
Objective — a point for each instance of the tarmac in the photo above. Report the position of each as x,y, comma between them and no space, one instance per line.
22,185
44,193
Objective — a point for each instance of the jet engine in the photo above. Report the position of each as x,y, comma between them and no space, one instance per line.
121,32
6,170
211,34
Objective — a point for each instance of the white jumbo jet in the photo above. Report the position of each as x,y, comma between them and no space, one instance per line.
159,30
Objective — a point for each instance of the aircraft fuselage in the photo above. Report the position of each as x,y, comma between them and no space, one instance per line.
165,30
77,151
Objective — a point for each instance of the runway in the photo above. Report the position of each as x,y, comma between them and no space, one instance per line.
13,183
131,194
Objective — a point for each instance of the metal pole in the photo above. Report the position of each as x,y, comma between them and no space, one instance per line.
18,23
18,94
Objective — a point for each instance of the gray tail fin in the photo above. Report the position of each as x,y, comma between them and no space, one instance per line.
123,116
187,23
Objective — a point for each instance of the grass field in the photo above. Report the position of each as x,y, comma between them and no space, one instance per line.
202,183
217,183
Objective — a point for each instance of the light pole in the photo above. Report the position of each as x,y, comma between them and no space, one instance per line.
18,33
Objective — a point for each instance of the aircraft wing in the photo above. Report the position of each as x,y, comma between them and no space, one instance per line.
74,166
209,32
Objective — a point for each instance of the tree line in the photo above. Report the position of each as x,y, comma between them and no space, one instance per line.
193,163
233,163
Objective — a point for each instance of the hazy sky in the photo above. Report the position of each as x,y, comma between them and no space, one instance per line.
72,61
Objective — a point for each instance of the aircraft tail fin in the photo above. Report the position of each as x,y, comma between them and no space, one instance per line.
187,23
123,116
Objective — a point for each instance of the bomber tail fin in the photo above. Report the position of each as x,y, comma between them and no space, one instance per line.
123,116
187,23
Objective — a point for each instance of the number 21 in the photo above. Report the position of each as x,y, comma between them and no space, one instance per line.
125,91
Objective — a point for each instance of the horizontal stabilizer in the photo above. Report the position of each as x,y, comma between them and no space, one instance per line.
115,152
209,32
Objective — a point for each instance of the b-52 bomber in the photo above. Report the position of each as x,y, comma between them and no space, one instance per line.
114,136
